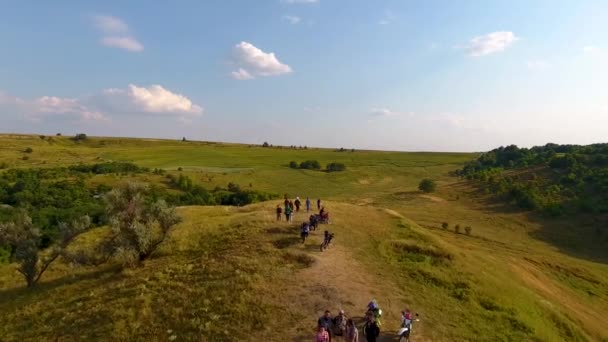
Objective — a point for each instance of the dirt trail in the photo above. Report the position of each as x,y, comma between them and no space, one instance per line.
337,281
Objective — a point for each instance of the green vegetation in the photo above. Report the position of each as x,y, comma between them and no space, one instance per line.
224,273
335,167
310,165
427,185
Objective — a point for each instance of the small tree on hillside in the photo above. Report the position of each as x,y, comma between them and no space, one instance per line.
265,144
28,150
24,240
139,226
80,137
427,185
445,225
293,164
335,167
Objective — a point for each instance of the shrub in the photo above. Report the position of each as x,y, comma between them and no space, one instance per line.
445,225
310,165
457,229
3,165
42,137
184,139
58,134
25,158
139,226
265,144
24,239
293,164
180,169
335,167
427,185
28,150
468,230
80,137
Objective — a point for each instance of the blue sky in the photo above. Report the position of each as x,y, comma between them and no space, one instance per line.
382,74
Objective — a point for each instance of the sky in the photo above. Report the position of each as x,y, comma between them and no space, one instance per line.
368,74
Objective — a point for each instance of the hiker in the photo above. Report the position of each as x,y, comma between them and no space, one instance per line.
371,331
304,231
297,203
286,201
291,207
322,335
279,212
307,204
339,324
322,211
351,334
325,321
287,214
319,204
312,220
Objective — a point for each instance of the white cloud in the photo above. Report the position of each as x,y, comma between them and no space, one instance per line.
254,62
538,65
50,107
153,99
590,49
292,19
116,33
490,43
385,112
241,74
110,24
300,1
126,43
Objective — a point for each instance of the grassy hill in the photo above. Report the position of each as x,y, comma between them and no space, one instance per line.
234,273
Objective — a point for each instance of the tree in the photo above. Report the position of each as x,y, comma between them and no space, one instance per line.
80,137
293,164
265,144
310,164
28,150
184,139
335,167
24,240
138,225
427,185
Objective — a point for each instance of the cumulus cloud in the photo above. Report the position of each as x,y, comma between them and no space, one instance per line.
490,43
299,1
254,62
99,107
125,43
292,19
116,33
46,107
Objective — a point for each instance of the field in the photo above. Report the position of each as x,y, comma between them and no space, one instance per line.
234,273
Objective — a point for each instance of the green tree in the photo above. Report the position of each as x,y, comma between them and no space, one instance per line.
335,167
24,240
293,164
427,185
138,225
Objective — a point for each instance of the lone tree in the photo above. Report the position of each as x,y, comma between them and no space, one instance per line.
24,240
293,164
265,144
139,226
427,185
80,137
335,167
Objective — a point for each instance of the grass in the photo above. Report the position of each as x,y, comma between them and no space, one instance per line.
230,274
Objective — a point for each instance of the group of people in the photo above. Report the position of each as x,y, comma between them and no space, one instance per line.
291,207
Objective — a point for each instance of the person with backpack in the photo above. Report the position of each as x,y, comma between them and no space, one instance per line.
313,222
325,321
371,330
288,213
307,204
339,324
279,212
297,203
319,204
304,231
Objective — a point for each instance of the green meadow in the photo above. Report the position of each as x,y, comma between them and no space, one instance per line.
231,273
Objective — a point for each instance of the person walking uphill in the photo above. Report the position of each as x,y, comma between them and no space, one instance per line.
325,321
307,204
351,334
287,213
279,212
297,203
319,204
371,331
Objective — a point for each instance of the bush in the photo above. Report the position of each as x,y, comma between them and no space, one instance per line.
42,137
310,165
293,164
427,185
80,137
28,150
25,158
58,134
3,165
445,225
265,144
335,167
468,230
139,226
457,229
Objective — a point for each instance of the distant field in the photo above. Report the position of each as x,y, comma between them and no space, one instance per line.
231,274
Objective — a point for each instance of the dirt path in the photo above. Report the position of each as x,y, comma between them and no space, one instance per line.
337,281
